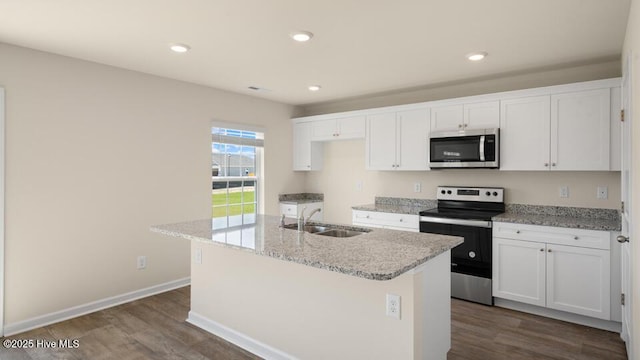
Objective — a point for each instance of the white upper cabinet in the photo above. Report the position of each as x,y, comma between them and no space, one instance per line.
307,155
338,129
569,131
572,127
398,140
482,115
380,153
524,133
580,126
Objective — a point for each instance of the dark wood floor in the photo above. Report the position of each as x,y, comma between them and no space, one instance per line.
154,328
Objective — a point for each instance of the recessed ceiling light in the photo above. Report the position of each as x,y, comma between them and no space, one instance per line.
477,56
179,48
314,87
302,36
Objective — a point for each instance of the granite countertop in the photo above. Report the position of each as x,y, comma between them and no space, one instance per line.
398,205
300,198
561,216
380,254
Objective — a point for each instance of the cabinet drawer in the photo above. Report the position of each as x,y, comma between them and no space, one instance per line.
553,235
378,219
289,210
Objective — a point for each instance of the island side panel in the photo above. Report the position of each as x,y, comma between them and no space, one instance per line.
432,284
300,311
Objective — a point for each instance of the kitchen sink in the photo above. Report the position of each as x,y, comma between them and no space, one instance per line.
342,233
308,228
327,231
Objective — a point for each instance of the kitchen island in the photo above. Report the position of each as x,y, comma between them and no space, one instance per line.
285,294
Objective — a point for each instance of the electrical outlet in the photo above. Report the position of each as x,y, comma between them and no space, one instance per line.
359,185
603,192
142,262
198,257
393,306
417,187
564,191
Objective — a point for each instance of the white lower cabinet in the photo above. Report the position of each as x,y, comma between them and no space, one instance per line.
393,221
532,264
293,210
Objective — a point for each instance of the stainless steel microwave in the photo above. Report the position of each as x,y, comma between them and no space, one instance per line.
465,149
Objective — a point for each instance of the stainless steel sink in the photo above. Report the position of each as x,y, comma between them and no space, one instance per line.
308,228
327,231
342,233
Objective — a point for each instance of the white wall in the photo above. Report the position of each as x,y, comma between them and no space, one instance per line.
344,166
632,46
97,154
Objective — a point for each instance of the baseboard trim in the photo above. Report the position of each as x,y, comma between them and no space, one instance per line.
252,345
613,326
66,314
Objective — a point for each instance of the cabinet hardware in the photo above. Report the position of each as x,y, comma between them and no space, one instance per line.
459,126
541,249
400,219
464,125
549,250
575,238
622,239
622,299
553,164
546,164
517,231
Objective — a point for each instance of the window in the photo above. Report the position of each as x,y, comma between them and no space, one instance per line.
235,171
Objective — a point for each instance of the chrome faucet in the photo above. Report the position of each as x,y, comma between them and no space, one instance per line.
301,221
312,213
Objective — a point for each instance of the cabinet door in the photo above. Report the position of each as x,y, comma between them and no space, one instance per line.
351,127
447,118
524,133
519,270
381,142
413,146
580,126
307,155
484,115
302,146
322,130
578,280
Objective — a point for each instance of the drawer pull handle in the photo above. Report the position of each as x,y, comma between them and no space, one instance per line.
549,250
400,219
541,249
575,238
517,231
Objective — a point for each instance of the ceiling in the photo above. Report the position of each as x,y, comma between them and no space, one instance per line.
360,47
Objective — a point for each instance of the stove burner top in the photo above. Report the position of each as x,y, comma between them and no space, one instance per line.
469,203
461,214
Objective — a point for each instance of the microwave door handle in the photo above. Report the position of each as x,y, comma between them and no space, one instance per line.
482,148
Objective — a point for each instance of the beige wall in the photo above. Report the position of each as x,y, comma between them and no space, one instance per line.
95,155
312,313
632,46
569,73
344,166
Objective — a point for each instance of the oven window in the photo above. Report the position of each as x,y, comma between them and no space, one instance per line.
455,149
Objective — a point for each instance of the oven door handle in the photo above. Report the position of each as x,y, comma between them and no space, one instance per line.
437,220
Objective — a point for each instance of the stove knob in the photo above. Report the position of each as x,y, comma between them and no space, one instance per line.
495,193
442,192
488,193
472,254
449,192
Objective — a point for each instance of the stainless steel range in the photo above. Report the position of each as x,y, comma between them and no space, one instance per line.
467,212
